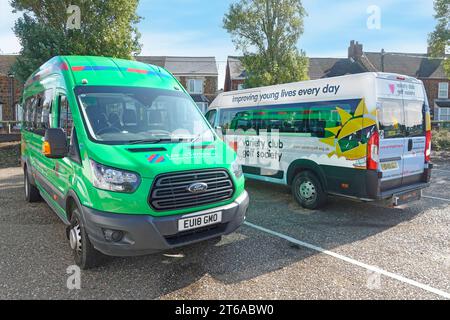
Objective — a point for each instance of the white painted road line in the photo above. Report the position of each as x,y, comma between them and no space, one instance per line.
440,170
352,261
436,198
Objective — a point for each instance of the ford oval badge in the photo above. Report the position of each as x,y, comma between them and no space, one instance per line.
198,187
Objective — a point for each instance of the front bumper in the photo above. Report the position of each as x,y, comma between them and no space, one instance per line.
146,234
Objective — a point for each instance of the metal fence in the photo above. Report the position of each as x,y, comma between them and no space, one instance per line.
441,125
10,127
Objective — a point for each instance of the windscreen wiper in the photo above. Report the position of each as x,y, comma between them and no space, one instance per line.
150,141
158,140
198,137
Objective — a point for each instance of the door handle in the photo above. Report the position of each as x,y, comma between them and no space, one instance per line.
410,145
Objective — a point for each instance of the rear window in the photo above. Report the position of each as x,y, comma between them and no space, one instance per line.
391,118
414,118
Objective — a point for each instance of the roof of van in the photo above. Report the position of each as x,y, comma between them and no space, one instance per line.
348,87
96,71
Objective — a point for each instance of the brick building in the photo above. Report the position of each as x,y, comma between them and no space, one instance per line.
420,66
10,90
199,75
235,74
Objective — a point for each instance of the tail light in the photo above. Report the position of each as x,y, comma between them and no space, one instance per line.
234,145
428,147
373,146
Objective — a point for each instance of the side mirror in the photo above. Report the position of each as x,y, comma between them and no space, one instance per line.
55,144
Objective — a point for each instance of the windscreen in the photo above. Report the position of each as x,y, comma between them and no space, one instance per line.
141,115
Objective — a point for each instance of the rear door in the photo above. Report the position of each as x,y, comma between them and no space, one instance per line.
402,133
392,141
414,149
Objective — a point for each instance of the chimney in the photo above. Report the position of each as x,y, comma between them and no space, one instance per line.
355,51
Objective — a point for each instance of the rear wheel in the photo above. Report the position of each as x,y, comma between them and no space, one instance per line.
308,191
31,192
85,255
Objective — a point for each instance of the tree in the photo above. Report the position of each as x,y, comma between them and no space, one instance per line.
267,33
439,40
107,28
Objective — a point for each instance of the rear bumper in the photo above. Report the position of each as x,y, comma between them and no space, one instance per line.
146,234
418,182
369,185
390,193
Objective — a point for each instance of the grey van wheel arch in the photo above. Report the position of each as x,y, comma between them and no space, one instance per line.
27,167
303,165
73,201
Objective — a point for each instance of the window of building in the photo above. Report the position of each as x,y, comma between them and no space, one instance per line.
443,90
444,114
195,86
203,106
19,113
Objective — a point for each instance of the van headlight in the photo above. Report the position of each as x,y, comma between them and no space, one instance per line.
111,179
237,169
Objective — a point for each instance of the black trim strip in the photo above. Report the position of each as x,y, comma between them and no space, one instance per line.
50,189
258,172
137,150
390,159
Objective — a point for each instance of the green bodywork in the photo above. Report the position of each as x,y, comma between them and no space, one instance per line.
63,75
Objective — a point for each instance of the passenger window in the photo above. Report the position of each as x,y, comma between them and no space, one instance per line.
43,114
65,116
227,118
37,114
211,116
28,113
414,118
391,118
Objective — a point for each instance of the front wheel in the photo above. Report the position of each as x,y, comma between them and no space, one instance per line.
85,255
31,192
308,191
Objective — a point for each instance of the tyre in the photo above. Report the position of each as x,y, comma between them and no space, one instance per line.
85,255
308,191
31,192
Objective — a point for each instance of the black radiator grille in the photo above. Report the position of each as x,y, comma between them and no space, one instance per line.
170,191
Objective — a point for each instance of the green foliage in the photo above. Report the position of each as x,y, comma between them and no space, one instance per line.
441,140
267,32
108,28
440,38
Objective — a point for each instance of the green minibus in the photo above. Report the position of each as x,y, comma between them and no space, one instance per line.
121,153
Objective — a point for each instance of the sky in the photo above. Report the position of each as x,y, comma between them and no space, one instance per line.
194,27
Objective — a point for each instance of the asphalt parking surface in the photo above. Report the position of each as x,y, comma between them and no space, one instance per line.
410,245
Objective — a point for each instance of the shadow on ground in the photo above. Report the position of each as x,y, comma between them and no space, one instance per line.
39,240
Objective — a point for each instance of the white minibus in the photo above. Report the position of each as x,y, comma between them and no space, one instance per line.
365,136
